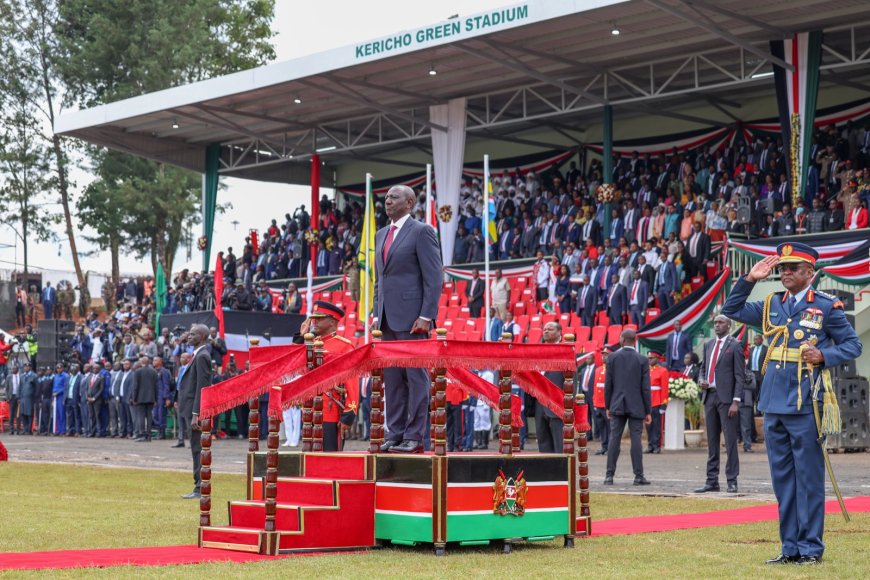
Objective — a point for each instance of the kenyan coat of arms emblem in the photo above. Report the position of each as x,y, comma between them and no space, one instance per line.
509,494
445,213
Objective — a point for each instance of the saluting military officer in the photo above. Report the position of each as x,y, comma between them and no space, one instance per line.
808,334
339,404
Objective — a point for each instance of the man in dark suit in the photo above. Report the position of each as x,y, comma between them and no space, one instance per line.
407,287
627,400
142,398
587,301
667,282
722,379
679,344
548,426
638,296
617,301
72,396
197,376
698,247
474,292
94,386
49,299
757,354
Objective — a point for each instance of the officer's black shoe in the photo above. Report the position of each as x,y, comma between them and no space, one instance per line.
408,446
641,481
708,487
388,444
608,480
809,560
732,487
783,559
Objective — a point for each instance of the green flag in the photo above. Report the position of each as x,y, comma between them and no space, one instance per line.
160,289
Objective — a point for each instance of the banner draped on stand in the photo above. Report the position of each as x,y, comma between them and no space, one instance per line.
448,152
796,95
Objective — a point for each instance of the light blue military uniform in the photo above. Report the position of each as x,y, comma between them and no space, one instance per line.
795,455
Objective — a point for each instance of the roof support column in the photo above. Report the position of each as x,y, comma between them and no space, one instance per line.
315,206
448,152
209,201
607,161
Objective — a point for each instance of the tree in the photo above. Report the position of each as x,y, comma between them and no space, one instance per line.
25,167
28,41
111,50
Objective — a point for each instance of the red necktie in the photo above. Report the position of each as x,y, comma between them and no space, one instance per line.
634,291
389,242
711,370
604,280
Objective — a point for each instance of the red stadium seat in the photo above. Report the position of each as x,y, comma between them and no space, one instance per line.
449,287
712,268
599,335
613,332
460,287
522,321
565,319
519,309
464,312
521,282
696,282
536,321
534,336
453,311
442,300
547,318
651,314
462,335
453,300
630,327
581,333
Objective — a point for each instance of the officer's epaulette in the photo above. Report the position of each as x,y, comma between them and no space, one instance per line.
837,303
342,339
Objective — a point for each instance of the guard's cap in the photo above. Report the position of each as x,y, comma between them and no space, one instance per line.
322,309
651,353
794,252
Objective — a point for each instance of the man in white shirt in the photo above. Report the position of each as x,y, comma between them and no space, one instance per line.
542,277
500,293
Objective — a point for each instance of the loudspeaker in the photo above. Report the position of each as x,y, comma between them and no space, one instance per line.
845,371
767,206
852,395
855,435
55,326
744,215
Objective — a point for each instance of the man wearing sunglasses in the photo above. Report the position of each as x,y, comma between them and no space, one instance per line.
808,334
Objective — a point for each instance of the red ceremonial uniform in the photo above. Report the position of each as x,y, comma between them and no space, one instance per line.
331,411
658,384
598,391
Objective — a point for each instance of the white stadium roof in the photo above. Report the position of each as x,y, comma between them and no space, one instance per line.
550,63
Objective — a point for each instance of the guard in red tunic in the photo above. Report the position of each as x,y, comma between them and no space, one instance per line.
599,413
658,385
340,404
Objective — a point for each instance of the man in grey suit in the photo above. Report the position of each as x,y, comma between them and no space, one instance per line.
407,287
722,379
627,400
142,399
26,400
197,376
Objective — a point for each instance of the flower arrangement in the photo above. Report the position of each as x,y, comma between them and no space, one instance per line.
683,388
606,192
202,243
311,236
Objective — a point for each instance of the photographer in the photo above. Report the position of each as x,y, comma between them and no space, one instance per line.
217,347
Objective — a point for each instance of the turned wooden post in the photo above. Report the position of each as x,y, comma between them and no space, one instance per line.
253,425
506,431
438,403
376,430
205,474
272,467
317,441
583,467
568,402
307,406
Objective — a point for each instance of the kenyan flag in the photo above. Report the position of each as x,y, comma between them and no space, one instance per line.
853,268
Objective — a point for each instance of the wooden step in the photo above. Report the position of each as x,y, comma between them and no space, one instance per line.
239,539
252,514
343,466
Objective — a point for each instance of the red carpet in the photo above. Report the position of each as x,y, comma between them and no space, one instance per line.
168,555
747,515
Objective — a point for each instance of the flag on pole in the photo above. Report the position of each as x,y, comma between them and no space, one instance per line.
432,216
219,292
160,283
492,234
366,258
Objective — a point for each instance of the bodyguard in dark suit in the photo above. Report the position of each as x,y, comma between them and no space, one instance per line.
722,380
128,379
617,301
587,301
548,426
95,385
474,292
407,287
811,328
142,398
667,282
26,400
627,400
679,345
197,376
638,297
71,402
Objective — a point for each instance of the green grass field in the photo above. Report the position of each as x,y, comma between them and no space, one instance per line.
47,507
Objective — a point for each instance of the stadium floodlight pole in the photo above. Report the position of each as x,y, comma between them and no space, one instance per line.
486,246
367,291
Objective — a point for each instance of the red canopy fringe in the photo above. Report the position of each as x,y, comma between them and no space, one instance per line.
486,392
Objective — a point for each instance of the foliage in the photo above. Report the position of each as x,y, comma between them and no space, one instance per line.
112,50
693,413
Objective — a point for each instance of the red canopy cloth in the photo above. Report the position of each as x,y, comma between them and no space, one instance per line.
260,355
547,393
486,392
348,367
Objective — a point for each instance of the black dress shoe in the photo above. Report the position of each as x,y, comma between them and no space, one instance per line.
192,495
387,445
658,450
407,446
641,481
809,560
783,559
732,487
649,450
608,480
601,452
709,487
748,450
177,445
